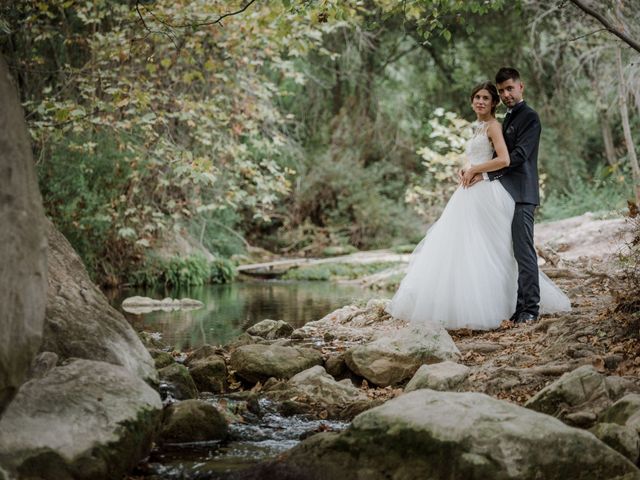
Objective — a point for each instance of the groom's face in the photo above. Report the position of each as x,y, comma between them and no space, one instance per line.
510,92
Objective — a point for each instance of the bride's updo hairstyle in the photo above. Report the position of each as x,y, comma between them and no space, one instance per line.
493,91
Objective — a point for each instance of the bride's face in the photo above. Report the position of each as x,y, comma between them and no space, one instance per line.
482,102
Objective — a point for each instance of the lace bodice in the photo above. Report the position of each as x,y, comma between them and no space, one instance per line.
479,148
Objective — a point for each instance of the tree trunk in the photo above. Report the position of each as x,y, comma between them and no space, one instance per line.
607,137
624,114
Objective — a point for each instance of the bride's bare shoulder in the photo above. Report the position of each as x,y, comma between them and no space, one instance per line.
494,126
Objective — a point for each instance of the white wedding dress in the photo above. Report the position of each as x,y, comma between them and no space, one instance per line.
463,274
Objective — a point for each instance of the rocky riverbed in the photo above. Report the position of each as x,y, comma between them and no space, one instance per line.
518,402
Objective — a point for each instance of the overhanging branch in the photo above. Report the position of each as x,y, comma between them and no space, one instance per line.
607,24
194,24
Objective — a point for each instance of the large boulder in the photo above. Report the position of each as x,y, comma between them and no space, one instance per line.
625,411
579,396
84,420
257,363
80,323
396,356
444,436
443,376
621,438
23,246
193,421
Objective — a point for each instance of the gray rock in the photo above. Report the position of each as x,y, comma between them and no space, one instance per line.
351,324
579,395
43,364
396,356
80,323
209,374
316,385
201,353
625,411
181,385
84,420
336,365
442,436
443,376
621,438
23,246
140,305
245,339
257,363
270,329
193,421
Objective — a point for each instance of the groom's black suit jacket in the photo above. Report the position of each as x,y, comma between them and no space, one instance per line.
521,130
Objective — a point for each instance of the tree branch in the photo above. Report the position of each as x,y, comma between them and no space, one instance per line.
598,16
197,24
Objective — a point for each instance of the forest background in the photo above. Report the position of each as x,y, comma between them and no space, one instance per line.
301,126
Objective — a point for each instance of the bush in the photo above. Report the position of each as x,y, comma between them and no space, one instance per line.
79,192
606,192
182,271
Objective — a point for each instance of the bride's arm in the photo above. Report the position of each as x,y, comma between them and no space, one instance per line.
502,160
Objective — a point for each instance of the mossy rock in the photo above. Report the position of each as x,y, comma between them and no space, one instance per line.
193,421
209,374
161,359
181,384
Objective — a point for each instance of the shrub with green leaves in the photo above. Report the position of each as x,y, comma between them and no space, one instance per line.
181,271
607,191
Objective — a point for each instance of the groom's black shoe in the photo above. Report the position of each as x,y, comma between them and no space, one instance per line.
513,318
525,317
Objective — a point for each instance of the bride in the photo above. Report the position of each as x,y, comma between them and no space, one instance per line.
463,274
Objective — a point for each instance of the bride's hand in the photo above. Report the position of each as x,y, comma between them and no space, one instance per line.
460,176
468,176
476,178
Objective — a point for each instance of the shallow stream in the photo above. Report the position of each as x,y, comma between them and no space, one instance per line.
229,310
232,308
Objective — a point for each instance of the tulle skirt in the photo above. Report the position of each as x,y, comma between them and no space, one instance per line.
463,274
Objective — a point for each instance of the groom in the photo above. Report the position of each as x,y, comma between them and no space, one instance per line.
521,129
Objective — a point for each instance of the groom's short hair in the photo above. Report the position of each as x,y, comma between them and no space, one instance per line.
507,73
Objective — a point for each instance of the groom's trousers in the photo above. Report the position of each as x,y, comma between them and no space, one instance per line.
525,253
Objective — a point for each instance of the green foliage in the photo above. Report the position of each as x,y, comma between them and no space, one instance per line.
441,160
300,126
608,191
336,271
180,271
217,231
81,180
221,270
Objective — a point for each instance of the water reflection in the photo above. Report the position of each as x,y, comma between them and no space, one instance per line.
231,309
